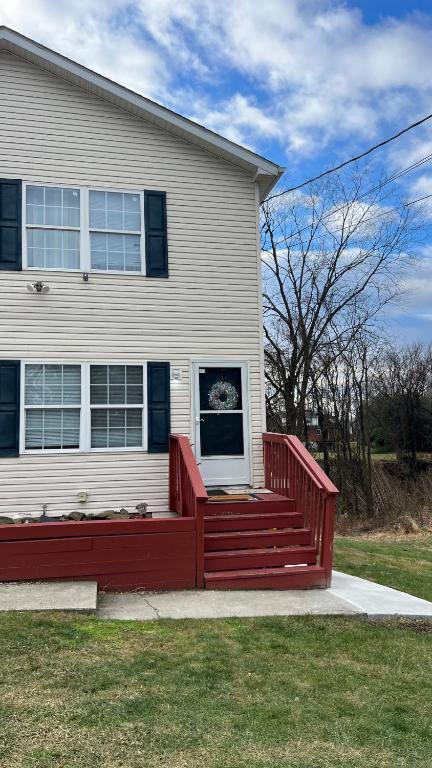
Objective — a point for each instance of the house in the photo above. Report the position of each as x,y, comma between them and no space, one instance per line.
131,310
316,436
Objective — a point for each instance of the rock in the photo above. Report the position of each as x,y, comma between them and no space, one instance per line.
121,514
141,508
76,515
19,520
99,515
6,520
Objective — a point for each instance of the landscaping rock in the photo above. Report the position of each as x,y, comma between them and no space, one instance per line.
100,515
77,515
121,514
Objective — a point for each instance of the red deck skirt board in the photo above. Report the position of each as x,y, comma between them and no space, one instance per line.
118,554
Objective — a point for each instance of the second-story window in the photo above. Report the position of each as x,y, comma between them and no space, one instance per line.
53,227
115,231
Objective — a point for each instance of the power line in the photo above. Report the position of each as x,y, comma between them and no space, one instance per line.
371,218
352,159
382,184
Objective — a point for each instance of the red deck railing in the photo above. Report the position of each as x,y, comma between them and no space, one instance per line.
291,471
187,493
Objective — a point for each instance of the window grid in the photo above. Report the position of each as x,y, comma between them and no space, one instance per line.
50,422
53,223
114,420
116,256
126,422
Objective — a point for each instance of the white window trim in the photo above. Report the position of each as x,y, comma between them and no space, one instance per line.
85,407
84,229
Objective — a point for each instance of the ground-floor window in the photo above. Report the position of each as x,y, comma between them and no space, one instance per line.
81,406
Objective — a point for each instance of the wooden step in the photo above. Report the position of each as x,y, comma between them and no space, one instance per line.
256,539
237,559
265,503
252,522
295,577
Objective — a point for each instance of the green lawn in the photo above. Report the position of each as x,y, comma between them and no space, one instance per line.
402,563
247,693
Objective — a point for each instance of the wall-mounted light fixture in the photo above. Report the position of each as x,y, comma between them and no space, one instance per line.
38,287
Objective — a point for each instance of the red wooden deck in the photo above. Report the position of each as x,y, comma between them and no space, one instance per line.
281,540
118,554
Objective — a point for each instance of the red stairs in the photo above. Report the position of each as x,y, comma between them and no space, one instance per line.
258,544
281,539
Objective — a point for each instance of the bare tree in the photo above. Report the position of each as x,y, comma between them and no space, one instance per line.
333,258
402,397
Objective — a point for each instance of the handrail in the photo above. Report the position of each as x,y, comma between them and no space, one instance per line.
312,465
187,493
291,471
190,464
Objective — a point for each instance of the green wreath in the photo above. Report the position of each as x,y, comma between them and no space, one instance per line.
223,396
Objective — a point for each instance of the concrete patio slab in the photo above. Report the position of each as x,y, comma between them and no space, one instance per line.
376,600
49,596
348,596
207,604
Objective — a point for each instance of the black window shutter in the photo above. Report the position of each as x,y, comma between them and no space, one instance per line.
158,396
156,240
9,407
10,224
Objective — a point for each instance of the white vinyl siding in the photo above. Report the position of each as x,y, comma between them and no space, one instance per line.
208,309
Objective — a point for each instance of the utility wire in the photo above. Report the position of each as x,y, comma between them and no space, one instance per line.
395,176
360,223
352,159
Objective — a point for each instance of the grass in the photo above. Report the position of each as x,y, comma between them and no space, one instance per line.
404,563
251,693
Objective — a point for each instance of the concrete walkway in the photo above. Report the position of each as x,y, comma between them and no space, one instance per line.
348,596
49,596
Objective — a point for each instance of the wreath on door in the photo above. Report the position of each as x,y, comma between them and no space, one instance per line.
223,396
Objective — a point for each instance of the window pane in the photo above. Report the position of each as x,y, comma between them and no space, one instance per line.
134,428
115,252
116,384
53,248
53,428
52,384
116,428
115,211
55,206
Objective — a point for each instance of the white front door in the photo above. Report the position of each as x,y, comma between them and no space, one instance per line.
221,398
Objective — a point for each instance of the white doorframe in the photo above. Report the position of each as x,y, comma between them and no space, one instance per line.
222,470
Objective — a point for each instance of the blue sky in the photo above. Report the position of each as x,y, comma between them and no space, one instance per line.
304,82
